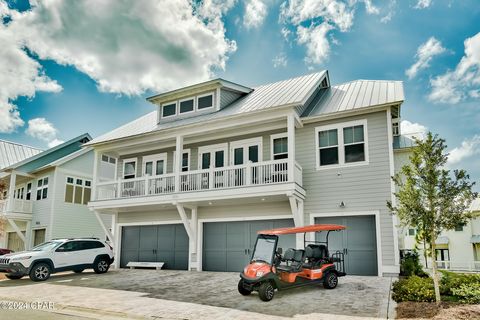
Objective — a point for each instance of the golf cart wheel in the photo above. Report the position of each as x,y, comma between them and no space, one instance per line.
242,290
78,270
40,272
14,276
266,291
101,265
331,280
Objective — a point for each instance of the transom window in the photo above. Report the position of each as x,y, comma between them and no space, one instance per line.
108,159
169,110
205,101
78,190
42,188
187,105
342,144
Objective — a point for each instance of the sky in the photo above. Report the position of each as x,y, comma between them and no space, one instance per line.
67,67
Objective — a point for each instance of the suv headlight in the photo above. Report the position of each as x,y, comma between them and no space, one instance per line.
21,258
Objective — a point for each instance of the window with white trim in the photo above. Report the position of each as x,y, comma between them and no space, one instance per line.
78,190
279,146
187,105
28,194
42,188
205,101
342,144
185,160
129,168
108,159
169,109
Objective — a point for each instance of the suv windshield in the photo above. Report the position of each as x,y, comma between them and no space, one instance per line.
265,248
46,246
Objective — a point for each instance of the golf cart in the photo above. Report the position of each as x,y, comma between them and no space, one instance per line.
269,269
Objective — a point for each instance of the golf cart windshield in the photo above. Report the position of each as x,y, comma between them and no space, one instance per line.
265,248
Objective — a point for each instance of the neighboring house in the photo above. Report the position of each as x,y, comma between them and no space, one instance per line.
11,153
191,183
457,249
47,196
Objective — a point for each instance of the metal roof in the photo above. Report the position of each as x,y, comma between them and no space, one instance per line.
290,92
11,153
355,95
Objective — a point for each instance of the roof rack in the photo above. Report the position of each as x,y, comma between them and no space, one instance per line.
77,238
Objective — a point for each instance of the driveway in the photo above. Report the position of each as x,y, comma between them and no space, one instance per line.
354,296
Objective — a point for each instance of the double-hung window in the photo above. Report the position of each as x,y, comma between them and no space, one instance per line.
342,144
279,146
78,190
42,188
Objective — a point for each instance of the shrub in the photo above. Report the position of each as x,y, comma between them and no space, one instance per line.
410,265
468,293
451,280
413,288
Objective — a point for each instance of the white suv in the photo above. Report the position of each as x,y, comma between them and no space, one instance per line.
58,255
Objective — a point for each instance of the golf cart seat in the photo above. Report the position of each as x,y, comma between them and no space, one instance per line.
316,255
294,260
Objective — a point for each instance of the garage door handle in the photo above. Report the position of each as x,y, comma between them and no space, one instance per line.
245,251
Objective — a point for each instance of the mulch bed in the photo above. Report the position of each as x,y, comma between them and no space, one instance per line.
429,310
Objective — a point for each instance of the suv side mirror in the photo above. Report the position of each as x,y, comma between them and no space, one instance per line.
61,249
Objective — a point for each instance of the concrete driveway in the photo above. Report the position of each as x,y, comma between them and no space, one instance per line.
354,296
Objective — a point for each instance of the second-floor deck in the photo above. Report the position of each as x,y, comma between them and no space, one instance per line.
15,206
214,179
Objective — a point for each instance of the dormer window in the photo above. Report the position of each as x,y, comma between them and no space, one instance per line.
205,101
169,109
187,105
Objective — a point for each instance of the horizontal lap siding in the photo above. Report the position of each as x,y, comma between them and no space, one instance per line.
361,188
42,208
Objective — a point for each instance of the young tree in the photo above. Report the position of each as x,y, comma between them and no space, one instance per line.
430,197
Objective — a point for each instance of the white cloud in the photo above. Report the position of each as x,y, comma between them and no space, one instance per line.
20,75
129,47
467,149
44,130
464,81
413,129
255,13
425,52
371,9
280,60
315,38
422,4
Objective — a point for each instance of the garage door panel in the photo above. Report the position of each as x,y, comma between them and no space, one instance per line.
214,260
133,236
215,236
235,261
359,239
181,239
165,240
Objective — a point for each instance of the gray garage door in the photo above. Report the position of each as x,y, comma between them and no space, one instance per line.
157,243
227,246
359,240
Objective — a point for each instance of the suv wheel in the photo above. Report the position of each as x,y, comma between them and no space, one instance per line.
101,265
14,276
40,272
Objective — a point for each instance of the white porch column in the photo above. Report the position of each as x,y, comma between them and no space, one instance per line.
11,191
291,146
192,248
296,206
95,175
28,235
178,162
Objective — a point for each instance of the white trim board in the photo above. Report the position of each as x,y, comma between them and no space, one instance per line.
378,235
227,219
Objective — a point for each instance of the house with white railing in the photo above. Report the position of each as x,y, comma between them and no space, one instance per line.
46,194
190,183
456,250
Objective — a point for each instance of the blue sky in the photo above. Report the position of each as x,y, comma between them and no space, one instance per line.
84,86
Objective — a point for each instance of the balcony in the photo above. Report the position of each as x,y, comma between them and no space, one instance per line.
20,206
261,174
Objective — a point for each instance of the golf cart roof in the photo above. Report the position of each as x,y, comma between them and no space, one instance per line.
311,228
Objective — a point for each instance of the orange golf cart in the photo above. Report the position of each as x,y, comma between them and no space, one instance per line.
270,269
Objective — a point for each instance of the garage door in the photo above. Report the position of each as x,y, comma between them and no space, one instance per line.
14,242
156,243
359,241
227,246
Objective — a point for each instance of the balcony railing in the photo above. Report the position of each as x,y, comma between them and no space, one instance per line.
251,174
458,266
19,206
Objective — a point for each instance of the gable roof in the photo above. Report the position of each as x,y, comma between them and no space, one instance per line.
356,95
291,92
51,154
11,153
